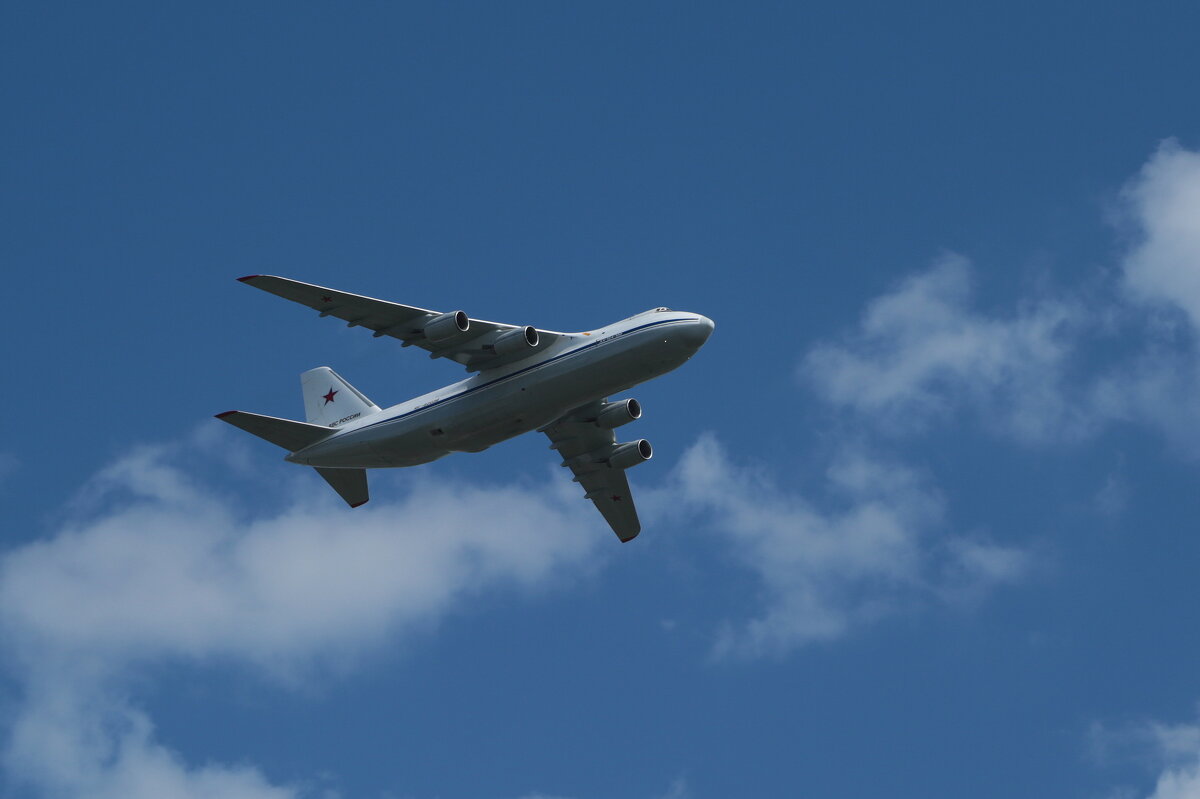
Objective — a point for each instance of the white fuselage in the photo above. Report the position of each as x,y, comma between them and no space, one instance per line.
498,404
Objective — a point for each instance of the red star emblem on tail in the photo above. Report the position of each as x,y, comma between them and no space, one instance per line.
329,396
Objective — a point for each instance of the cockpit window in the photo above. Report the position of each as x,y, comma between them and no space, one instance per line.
652,310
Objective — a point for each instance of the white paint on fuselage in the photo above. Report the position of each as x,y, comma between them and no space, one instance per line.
498,404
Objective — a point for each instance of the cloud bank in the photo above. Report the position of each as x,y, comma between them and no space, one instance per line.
156,567
170,571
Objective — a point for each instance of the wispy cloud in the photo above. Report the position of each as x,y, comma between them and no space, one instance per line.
74,739
677,790
828,567
1113,497
1173,750
926,352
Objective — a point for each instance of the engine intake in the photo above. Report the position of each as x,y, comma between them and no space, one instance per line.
447,325
514,341
616,414
631,454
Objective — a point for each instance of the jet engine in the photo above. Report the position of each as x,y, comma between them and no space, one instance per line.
447,325
616,414
631,454
514,341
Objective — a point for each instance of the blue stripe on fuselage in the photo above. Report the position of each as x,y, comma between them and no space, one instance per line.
531,367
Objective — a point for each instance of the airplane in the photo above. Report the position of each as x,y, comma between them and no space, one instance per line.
524,379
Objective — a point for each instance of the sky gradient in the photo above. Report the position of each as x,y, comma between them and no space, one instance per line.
921,519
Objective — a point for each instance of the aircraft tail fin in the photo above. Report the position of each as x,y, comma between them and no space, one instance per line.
280,432
330,401
351,484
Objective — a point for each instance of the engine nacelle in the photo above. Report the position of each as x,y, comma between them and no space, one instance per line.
446,325
626,455
514,341
616,414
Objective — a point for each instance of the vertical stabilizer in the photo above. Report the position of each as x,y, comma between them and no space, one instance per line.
330,401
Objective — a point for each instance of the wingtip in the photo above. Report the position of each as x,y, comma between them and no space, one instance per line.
247,278
223,415
360,504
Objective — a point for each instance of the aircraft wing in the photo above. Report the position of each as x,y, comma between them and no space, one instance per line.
584,447
475,343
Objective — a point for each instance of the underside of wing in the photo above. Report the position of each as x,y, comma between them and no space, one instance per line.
475,343
609,492
598,462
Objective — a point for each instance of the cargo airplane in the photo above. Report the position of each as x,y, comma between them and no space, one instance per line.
524,379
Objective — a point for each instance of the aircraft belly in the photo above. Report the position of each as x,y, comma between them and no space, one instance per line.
535,400
497,414
341,454
383,446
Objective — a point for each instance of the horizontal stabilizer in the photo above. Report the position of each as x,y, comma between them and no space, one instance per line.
351,484
284,433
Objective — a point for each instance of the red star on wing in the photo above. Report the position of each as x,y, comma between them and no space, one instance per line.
329,396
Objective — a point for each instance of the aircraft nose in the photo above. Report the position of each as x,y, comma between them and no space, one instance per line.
698,332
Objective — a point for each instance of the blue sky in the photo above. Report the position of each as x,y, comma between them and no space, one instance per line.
922,516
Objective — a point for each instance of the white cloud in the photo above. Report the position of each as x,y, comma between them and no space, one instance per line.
175,572
155,567
1173,749
1178,784
824,571
1155,389
922,351
162,568
1164,202
974,566
71,741
925,352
